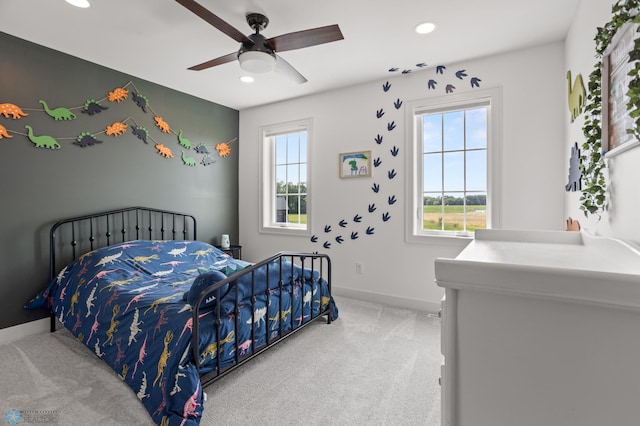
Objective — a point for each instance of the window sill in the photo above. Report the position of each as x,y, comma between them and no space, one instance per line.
285,230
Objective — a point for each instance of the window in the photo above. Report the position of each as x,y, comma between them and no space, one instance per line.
285,188
454,164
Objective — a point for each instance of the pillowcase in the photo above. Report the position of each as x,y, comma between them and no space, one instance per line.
202,282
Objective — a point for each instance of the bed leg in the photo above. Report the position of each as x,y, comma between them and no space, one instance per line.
52,319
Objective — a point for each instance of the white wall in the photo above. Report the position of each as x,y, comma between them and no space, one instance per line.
532,168
623,172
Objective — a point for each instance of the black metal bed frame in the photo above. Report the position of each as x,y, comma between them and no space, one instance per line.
70,238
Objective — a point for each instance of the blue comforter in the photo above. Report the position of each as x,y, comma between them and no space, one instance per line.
129,303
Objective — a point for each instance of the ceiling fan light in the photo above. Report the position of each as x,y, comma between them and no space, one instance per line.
256,62
79,3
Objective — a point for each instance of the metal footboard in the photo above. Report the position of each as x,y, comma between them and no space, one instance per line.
311,261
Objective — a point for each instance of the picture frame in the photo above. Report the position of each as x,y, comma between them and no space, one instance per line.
615,84
355,164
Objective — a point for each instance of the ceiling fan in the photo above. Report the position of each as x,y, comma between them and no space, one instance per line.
258,54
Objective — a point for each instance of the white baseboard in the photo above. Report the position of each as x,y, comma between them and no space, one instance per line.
385,299
17,332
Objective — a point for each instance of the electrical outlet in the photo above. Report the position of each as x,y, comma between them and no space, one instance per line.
359,268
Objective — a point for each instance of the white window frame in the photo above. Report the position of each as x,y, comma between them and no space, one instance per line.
267,188
490,97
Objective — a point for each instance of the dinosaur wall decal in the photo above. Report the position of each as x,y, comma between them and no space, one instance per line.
576,95
43,141
59,113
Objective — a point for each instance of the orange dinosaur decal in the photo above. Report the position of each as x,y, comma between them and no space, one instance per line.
4,133
116,129
118,95
162,125
13,110
223,149
164,151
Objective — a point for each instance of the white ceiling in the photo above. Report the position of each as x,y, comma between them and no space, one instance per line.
157,40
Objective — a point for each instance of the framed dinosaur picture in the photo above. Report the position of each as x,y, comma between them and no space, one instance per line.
616,65
355,164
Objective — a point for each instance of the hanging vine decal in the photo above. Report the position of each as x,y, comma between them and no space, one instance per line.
594,199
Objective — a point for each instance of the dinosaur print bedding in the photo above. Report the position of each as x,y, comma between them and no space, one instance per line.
129,303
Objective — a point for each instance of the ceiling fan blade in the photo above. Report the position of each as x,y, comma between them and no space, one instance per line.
306,38
287,70
218,61
214,20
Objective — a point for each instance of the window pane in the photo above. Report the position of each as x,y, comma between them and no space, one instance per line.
303,177
453,219
476,211
432,172
281,210
432,213
292,148
303,147
476,128
477,170
293,177
281,179
454,171
281,149
453,130
432,133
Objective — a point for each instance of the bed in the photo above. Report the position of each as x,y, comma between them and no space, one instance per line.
171,314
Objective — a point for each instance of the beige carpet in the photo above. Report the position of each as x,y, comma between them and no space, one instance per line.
375,365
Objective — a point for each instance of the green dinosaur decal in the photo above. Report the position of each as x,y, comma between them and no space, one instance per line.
43,141
183,141
59,113
188,161
577,96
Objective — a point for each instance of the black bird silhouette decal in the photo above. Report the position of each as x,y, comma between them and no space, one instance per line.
375,188
475,82
391,126
379,113
378,139
354,235
372,208
440,69
386,86
342,223
432,84
391,200
394,151
450,88
314,239
339,239
370,230
327,228
357,218
327,245
397,104
376,162
391,173
386,216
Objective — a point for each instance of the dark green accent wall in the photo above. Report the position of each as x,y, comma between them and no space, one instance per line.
40,186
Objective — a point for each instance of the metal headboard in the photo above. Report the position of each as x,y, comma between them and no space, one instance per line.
70,238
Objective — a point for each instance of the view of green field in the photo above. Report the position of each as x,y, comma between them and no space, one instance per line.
454,218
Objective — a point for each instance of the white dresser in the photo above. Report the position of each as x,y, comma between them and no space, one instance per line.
541,328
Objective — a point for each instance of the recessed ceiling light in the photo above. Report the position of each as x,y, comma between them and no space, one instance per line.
79,3
425,27
246,79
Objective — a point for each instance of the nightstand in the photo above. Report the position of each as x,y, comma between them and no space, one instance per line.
234,250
